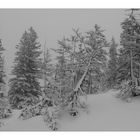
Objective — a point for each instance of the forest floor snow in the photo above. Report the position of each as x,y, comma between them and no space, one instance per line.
105,113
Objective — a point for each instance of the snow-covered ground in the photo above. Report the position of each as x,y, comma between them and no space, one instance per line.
105,112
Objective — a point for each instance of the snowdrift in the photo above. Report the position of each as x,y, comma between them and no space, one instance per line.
105,113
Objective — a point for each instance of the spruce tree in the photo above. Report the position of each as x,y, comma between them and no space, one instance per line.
25,85
129,53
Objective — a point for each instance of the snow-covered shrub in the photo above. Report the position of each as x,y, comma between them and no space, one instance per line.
73,112
31,111
35,110
126,91
5,110
50,117
5,113
83,102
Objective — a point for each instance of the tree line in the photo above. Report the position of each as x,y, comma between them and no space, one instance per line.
86,63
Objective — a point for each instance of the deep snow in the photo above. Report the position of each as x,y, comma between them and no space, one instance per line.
105,113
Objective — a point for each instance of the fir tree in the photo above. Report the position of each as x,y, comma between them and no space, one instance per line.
26,71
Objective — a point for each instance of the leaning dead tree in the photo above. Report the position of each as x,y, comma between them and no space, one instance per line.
89,51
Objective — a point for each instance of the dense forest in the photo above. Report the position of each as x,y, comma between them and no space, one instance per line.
86,64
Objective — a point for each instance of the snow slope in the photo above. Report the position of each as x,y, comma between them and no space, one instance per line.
15,124
105,113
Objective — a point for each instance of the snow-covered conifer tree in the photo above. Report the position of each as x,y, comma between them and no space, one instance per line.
129,54
24,86
112,64
2,72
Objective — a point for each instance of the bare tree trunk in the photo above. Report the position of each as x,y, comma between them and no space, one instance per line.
90,84
132,74
85,73
83,77
44,65
131,57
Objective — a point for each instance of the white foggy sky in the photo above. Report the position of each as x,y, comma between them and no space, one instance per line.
51,25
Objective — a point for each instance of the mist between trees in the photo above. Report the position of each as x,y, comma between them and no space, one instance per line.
86,63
